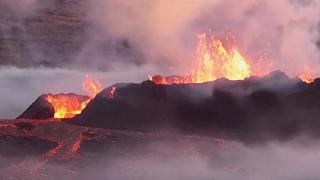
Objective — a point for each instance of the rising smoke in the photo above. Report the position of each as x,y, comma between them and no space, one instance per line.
96,35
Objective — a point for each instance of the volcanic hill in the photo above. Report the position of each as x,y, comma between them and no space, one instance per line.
274,105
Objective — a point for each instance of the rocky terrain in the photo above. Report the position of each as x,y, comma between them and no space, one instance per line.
48,149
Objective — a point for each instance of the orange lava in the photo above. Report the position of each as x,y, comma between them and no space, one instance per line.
69,105
66,105
112,92
91,86
216,59
306,75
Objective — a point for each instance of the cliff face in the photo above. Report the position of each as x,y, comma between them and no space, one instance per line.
52,32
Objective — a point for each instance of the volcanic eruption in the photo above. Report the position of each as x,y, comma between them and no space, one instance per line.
223,59
188,89
62,106
216,59
225,93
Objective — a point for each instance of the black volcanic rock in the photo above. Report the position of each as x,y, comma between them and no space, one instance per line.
40,109
17,146
264,99
255,108
140,103
25,126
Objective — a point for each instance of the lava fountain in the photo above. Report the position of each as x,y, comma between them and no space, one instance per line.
222,59
215,59
67,106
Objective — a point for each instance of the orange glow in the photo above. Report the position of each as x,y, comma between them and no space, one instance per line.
112,92
69,105
306,75
158,79
91,86
216,59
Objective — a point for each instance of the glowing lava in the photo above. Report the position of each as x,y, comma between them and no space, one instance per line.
112,92
69,105
306,75
215,60
91,86
66,105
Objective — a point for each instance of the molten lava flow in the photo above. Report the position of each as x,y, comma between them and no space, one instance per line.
215,60
158,79
69,105
306,75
